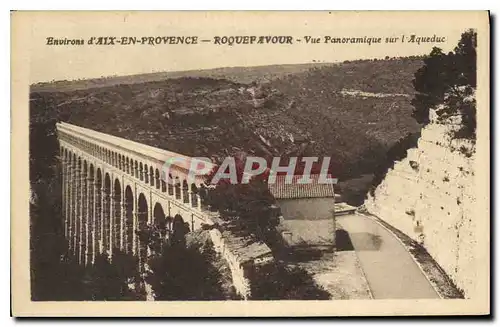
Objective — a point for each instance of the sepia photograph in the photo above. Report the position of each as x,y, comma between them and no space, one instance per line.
300,161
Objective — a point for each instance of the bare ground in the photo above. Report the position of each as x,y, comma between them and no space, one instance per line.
340,274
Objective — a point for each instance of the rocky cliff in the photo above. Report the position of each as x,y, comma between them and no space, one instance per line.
429,195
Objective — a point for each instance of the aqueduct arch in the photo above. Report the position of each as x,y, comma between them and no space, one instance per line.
142,221
128,234
107,212
113,187
116,225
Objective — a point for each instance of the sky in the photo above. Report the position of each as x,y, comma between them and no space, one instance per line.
49,62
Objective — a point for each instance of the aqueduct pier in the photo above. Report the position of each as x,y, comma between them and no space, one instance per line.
113,187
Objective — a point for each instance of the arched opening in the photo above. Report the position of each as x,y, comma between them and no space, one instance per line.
127,164
163,186
146,174
69,202
69,198
185,191
157,179
142,217
194,195
177,188
169,225
65,192
151,176
98,208
141,172
78,206
179,231
91,216
129,220
159,219
136,169
170,184
202,192
117,215
84,213
120,166
107,214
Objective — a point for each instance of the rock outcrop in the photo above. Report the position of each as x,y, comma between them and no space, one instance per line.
430,196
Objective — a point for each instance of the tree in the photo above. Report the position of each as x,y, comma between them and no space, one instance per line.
248,207
108,281
185,273
278,282
449,79
180,271
467,57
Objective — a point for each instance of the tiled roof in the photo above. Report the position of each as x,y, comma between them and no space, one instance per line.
294,190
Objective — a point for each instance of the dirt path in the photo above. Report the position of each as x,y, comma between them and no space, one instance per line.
389,269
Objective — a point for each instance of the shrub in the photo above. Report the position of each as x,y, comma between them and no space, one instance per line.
180,272
277,282
466,151
449,79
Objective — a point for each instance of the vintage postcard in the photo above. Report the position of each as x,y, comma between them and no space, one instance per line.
250,163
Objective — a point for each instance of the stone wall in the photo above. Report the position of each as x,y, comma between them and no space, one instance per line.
307,208
429,195
241,257
240,282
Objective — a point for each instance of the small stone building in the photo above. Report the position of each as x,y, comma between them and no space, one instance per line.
312,201
306,211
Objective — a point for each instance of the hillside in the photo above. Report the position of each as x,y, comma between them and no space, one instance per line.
352,112
235,74
355,111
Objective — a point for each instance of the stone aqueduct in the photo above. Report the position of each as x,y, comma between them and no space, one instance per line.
112,187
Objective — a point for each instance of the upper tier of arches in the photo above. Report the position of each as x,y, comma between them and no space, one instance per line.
145,163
